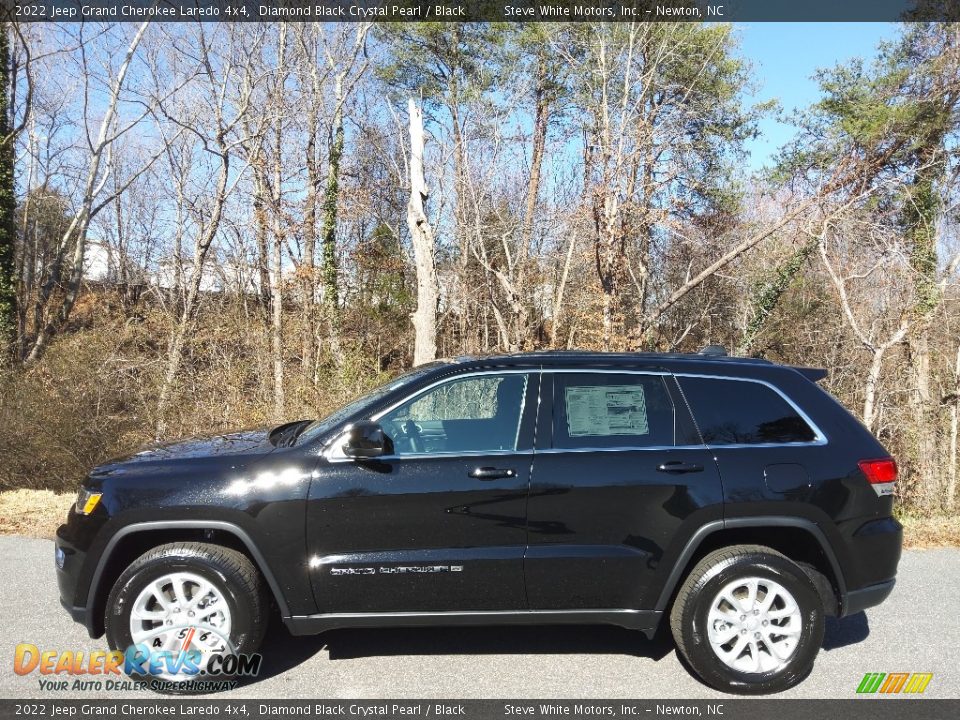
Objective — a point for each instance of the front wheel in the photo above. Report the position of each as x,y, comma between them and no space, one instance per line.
181,604
748,620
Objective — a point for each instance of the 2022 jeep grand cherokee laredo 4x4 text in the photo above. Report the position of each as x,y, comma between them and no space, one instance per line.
731,498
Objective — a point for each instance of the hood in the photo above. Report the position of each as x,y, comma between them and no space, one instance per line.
247,443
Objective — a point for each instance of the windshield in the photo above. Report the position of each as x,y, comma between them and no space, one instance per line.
324,425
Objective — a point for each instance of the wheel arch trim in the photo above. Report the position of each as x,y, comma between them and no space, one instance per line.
772,521
134,528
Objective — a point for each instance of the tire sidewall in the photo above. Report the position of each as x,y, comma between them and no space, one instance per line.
136,578
705,661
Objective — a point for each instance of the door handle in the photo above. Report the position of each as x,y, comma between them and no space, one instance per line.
679,467
491,473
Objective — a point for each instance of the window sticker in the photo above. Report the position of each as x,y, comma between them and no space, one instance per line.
606,410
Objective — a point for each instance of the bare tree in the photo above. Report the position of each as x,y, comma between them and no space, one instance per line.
878,323
424,246
661,122
227,85
335,59
873,339
67,265
277,101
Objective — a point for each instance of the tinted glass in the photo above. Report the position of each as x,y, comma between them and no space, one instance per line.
738,412
600,410
472,414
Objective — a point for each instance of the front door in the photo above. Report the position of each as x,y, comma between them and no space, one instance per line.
440,524
623,477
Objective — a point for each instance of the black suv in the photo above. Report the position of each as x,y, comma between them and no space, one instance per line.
731,497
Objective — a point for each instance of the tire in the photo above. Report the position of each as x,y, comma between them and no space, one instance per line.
705,624
236,604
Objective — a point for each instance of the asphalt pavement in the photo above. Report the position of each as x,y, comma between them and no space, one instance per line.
916,630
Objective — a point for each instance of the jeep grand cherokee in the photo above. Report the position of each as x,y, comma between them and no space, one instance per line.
732,499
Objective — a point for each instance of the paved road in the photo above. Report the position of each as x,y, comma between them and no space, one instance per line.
916,630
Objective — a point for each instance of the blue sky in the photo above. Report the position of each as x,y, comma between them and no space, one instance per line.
785,57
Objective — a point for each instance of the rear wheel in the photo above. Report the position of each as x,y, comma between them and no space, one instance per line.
187,602
748,620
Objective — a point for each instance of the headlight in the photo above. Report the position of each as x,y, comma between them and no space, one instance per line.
87,501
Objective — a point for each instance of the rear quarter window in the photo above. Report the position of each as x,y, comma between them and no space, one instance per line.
739,412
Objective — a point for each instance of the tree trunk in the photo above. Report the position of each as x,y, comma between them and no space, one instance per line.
541,121
462,301
27,260
308,280
920,220
331,195
870,388
558,300
951,491
261,230
279,234
8,205
276,315
421,234
610,261
924,429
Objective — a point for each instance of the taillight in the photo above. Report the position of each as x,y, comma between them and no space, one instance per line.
879,471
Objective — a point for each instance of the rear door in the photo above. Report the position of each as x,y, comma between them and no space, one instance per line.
620,480
766,447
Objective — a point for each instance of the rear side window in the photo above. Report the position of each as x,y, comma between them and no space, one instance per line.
604,410
737,412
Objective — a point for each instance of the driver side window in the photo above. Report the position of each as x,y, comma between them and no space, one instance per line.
471,414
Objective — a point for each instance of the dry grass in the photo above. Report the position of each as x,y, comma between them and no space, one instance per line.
930,532
37,513
94,395
34,513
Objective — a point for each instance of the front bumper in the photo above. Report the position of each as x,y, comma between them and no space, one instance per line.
69,560
78,614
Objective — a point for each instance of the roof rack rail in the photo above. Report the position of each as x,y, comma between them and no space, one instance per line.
713,351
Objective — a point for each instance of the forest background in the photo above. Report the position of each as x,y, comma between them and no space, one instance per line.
213,226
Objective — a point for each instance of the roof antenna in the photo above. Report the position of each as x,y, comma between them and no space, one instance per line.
713,351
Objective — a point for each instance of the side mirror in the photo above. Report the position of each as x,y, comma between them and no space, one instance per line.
367,440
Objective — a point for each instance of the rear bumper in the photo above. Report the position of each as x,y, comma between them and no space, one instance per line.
857,600
871,566
871,570
875,550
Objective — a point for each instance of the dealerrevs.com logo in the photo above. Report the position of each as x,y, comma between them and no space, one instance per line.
182,659
894,683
